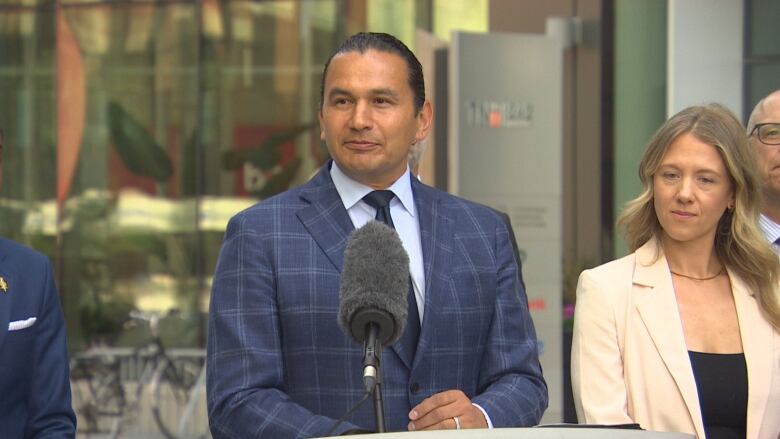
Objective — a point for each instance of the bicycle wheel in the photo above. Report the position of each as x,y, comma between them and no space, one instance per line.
98,396
172,387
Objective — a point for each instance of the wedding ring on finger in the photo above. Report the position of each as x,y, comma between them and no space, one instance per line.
457,422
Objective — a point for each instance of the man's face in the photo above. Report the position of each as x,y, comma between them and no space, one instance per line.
769,155
368,119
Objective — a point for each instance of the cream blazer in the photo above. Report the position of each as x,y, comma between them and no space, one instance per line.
629,361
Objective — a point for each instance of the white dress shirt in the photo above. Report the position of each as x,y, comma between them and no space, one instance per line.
405,220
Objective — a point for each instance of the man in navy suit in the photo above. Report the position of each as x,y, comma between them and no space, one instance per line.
278,364
34,375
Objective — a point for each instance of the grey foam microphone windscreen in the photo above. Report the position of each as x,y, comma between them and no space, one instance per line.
375,276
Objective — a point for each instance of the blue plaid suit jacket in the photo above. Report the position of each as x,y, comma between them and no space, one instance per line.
278,364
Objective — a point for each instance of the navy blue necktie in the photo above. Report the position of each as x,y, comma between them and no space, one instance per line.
380,200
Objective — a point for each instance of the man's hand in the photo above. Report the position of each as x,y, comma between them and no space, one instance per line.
438,412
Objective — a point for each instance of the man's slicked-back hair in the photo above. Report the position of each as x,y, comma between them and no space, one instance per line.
382,42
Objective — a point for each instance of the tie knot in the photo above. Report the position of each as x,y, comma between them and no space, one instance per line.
379,199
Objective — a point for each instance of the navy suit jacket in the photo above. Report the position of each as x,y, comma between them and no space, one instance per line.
278,364
34,373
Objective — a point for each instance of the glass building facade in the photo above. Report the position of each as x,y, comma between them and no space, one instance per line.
134,129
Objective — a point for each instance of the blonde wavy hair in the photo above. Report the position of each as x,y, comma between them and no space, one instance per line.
739,243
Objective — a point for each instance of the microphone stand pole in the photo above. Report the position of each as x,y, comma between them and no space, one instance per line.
379,409
372,375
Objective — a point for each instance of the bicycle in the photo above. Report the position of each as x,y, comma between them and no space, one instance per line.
190,396
103,393
97,391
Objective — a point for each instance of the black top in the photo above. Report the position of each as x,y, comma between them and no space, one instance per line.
721,381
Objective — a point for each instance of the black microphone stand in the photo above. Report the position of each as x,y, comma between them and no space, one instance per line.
379,408
372,360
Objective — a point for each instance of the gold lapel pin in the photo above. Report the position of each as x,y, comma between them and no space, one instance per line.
3,284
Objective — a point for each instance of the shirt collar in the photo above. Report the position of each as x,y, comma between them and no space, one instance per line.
351,191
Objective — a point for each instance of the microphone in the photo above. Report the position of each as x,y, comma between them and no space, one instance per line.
372,295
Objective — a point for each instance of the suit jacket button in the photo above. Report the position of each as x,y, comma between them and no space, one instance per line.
415,388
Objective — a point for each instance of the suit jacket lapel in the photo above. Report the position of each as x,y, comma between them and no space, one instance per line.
325,216
756,333
658,309
435,227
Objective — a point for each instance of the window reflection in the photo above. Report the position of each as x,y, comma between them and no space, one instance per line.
136,129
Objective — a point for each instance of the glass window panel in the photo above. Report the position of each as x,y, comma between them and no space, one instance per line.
136,129
396,17
762,79
128,220
464,15
763,29
27,97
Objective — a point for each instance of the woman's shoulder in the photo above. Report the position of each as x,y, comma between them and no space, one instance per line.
620,272
608,271
612,281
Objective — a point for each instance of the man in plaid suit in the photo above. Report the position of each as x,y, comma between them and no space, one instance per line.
278,364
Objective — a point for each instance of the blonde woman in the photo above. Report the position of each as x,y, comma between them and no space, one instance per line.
682,335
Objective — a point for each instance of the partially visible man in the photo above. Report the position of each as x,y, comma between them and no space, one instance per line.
278,364
763,127
35,399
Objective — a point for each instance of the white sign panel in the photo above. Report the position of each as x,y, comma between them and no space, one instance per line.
506,95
